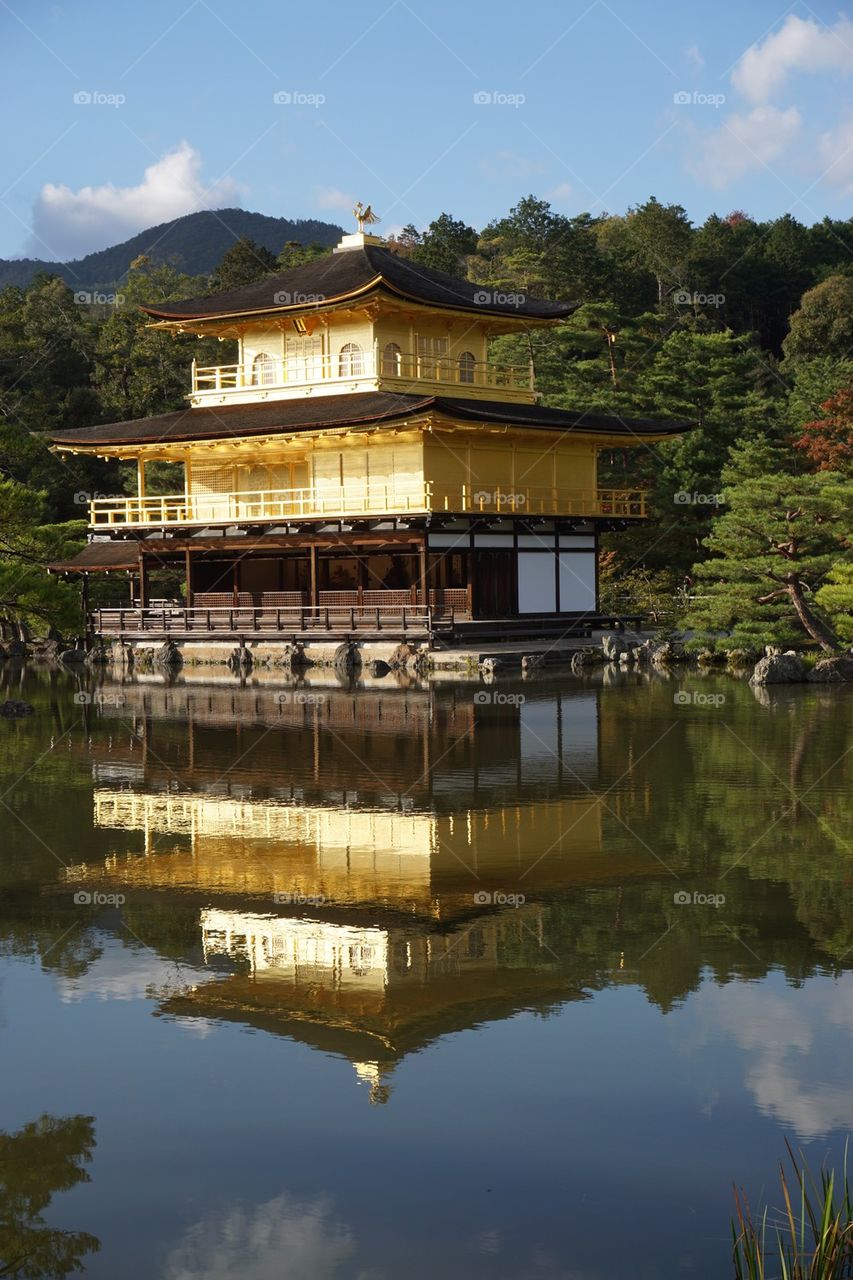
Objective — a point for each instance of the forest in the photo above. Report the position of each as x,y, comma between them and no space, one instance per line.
743,327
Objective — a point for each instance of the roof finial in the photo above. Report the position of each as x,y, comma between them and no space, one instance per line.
364,216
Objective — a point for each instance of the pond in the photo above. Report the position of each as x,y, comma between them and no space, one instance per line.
396,978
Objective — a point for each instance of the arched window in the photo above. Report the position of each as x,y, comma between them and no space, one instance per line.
263,370
467,364
392,359
350,361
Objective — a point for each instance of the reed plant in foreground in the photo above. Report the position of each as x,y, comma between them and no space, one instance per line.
809,1238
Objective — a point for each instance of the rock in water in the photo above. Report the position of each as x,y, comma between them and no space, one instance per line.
779,668
13,710
613,647
834,670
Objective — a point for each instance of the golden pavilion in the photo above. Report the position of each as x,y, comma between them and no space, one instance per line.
363,467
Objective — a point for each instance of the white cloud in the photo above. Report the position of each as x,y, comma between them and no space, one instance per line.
835,150
560,194
799,45
74,223
334,198
744,143
284,1239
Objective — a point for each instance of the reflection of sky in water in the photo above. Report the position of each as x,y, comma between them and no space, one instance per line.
796,1046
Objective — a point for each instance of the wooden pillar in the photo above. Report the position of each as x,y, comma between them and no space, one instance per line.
235,587
84,602
140,476
189,576
422,572
143,582
312,550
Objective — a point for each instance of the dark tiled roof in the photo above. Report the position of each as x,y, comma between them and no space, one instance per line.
359,271
236,420
115,554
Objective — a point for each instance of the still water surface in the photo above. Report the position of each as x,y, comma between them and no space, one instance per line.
411,981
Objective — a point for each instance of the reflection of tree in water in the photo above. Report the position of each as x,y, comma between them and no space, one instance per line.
44,1157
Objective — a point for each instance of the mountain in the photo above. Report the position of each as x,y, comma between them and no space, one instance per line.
195,244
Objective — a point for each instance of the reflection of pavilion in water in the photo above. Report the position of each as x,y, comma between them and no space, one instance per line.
402,817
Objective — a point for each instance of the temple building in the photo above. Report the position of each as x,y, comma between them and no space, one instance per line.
363,466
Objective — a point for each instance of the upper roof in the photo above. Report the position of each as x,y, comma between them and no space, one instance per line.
354,273
284,416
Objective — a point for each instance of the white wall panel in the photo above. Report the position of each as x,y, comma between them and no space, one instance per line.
537,592
577,582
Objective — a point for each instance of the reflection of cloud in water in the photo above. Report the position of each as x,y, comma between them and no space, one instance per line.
791,1040
284,1239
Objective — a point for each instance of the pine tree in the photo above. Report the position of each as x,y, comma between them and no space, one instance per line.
782,532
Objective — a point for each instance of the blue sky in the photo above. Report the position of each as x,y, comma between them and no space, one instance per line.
118,116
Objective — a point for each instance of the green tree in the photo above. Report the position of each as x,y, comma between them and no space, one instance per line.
835,598
245,262
42,1158
445,245
823,326
781,533
660,237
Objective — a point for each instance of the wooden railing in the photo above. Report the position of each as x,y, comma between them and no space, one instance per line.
354,367
360,499
242,620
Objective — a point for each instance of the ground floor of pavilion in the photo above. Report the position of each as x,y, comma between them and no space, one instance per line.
348,580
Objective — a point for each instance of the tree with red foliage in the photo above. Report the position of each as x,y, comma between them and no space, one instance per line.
827,443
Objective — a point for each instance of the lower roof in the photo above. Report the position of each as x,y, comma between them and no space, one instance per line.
101,557
353,409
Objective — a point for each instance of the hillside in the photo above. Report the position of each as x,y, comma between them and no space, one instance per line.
194,244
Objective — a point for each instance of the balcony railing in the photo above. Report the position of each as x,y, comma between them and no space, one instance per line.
357,368
362,499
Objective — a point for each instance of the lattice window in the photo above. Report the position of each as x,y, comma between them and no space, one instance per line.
350,361
263,370
392,359
467,365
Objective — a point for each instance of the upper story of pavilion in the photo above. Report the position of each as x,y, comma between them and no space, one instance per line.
363,319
